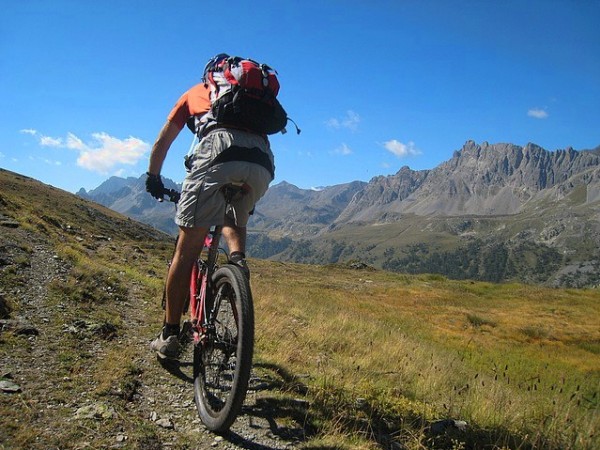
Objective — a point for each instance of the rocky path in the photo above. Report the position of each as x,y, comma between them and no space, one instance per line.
70,410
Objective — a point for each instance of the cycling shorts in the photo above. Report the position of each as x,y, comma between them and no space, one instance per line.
202,203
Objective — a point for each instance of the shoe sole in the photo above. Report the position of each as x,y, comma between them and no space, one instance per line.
163,356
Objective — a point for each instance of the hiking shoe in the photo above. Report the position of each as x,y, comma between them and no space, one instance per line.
166,348
242,264
239,259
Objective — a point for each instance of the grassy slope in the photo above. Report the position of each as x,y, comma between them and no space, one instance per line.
379,355
512,360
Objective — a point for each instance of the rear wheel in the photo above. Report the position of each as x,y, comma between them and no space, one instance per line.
223,362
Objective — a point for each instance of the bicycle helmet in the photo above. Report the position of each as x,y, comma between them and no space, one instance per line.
213,63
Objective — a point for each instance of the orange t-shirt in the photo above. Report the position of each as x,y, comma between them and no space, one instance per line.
195,102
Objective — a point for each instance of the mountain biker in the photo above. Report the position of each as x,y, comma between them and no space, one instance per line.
224,154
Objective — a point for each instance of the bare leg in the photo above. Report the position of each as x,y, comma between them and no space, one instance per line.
189,246
234,236
236,241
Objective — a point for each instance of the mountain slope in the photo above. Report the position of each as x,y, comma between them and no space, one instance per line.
129,197
492,212
482,179
287,210
80,289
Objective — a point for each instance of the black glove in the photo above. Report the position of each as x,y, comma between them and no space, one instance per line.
155,186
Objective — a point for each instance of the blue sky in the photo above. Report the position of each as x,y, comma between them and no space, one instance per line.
374,85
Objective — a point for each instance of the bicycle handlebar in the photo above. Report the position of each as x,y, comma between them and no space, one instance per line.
229,191
172,194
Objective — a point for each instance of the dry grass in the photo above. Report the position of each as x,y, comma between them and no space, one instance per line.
517,362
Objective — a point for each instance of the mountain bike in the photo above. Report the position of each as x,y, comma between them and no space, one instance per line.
221,328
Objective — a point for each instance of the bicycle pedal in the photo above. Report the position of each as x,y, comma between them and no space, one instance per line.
199,338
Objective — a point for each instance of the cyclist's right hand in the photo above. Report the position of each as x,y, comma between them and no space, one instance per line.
154,186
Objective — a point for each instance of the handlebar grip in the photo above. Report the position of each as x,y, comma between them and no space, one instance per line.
172,194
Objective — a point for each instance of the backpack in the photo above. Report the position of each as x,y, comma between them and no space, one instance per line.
244,93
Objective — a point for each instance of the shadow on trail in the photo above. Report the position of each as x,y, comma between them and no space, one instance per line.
179,369
275,406
279,409
183,366
281,416
282,405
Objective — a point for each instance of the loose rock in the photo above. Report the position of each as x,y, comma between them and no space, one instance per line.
9,386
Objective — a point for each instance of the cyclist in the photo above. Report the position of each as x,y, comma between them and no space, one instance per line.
224,154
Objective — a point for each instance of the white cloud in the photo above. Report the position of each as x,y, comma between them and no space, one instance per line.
47,141
537,113
350,121
102,154
44,141
343,150
107,151
401,150
74,143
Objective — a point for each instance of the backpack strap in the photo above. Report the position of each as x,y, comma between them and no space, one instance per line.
252,155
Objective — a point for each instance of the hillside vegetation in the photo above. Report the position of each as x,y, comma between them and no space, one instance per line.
346,356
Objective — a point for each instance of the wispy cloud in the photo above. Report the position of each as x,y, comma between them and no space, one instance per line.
401,150
102,154
343,150
44,141
52,163
305,154
537,113
350,121
47,141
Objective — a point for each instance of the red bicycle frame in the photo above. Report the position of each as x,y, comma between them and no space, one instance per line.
199,284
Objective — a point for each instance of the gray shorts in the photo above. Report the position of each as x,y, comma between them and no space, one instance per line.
202,204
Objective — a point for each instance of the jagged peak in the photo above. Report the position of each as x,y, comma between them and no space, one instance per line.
532,147
472,149
284,184
405,170
470,145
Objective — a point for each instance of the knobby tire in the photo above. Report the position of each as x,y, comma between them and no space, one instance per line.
222,365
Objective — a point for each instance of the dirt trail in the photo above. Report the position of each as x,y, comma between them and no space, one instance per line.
54,410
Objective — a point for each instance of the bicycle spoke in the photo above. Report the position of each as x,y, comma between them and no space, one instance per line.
221,360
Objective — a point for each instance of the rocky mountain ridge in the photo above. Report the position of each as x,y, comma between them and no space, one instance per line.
537,204
484,179
128,196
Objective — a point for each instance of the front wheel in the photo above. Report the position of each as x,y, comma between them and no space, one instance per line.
222,362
